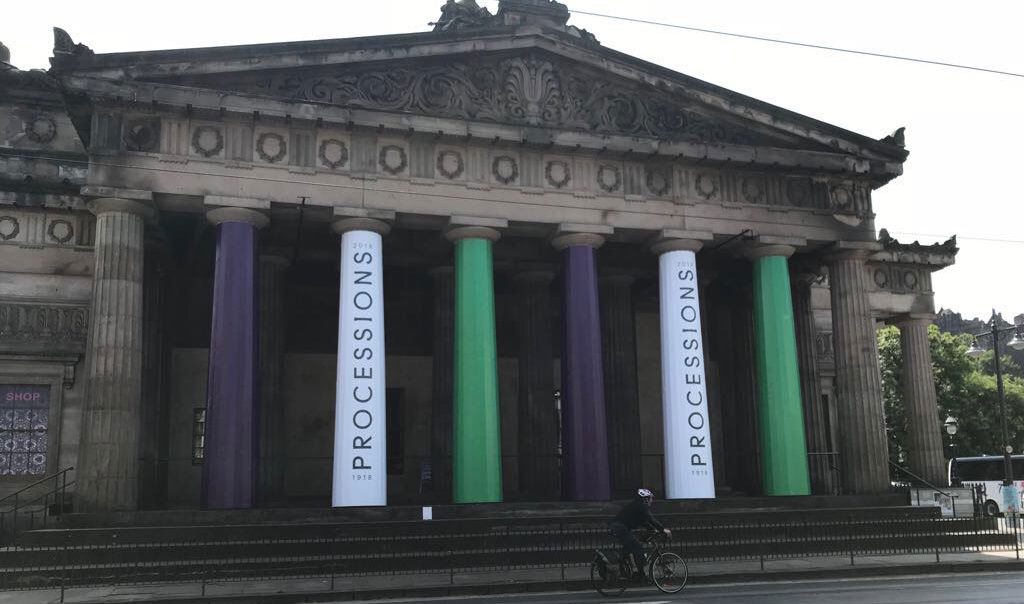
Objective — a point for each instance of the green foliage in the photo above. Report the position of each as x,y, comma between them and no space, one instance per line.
965,388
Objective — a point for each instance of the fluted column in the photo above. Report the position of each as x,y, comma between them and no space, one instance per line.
538,417
584,421
924,440
441,405
108,454
153,443
863,454
810,384
271,351
780,413
476,467
232,414
622,398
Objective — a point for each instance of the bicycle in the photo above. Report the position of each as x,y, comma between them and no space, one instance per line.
612,574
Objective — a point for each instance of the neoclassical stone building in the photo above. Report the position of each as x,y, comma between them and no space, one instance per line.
492,261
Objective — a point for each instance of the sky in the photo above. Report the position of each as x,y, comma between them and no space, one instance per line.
964,130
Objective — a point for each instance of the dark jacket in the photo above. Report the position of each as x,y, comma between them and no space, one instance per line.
635,515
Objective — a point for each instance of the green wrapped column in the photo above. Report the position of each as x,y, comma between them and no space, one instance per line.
476,455
780,412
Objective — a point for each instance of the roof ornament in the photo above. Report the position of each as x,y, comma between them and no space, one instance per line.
5,57
462,14
896,138
64,46
891,243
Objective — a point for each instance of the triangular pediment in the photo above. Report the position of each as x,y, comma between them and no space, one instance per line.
525,88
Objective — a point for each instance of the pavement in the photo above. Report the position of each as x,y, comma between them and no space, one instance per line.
418,587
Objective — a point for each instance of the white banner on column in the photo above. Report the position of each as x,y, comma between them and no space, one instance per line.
360,445
688,469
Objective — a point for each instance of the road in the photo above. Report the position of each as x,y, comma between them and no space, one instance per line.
991,588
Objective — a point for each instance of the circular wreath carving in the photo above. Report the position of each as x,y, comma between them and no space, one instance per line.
261,147
60,230
556,172
392,159
335,148
753,190
706,186
798,191
881,278
41,129
450,164
9,227
910,280
842,198
505,169
141,135
658,183
609,178
207,141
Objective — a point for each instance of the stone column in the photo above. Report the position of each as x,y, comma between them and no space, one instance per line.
273,458
924,439
689,469
622,398
538,417
360,410
863,452
584,421
441,406
108,469
476,467
153,444
780,409
810,384
232,414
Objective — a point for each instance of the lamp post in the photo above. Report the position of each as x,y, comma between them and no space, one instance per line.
952,426
1017,343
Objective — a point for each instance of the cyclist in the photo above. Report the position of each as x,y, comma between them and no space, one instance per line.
634,515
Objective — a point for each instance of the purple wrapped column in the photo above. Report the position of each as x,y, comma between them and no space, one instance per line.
584,431
232,430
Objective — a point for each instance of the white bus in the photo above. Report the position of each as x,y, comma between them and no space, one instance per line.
988,473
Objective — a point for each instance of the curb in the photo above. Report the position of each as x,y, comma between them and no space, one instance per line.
584,585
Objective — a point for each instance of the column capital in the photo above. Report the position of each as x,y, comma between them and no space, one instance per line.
670,240
221,215
374,225
771,245
567,240
472,232
676,245
535,274
97,191
913,318
105,205
763,251
275,258
852,250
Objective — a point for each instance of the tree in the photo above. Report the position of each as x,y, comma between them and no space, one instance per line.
965,389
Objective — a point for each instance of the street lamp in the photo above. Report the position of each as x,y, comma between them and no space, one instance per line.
1016,343
952,426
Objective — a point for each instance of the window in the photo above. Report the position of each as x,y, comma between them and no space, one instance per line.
24,429
198,434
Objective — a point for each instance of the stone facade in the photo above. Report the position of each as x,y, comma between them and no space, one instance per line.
506,132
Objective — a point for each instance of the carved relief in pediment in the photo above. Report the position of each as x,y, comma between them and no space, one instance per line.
531,90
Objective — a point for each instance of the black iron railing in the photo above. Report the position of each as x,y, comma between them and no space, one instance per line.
35,505
446,549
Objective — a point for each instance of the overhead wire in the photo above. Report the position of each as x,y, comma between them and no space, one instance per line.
803,44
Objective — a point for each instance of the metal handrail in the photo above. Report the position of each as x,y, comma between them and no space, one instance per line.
919,479
15,494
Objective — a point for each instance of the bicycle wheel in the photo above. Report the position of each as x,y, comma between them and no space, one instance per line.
669,573
606,583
